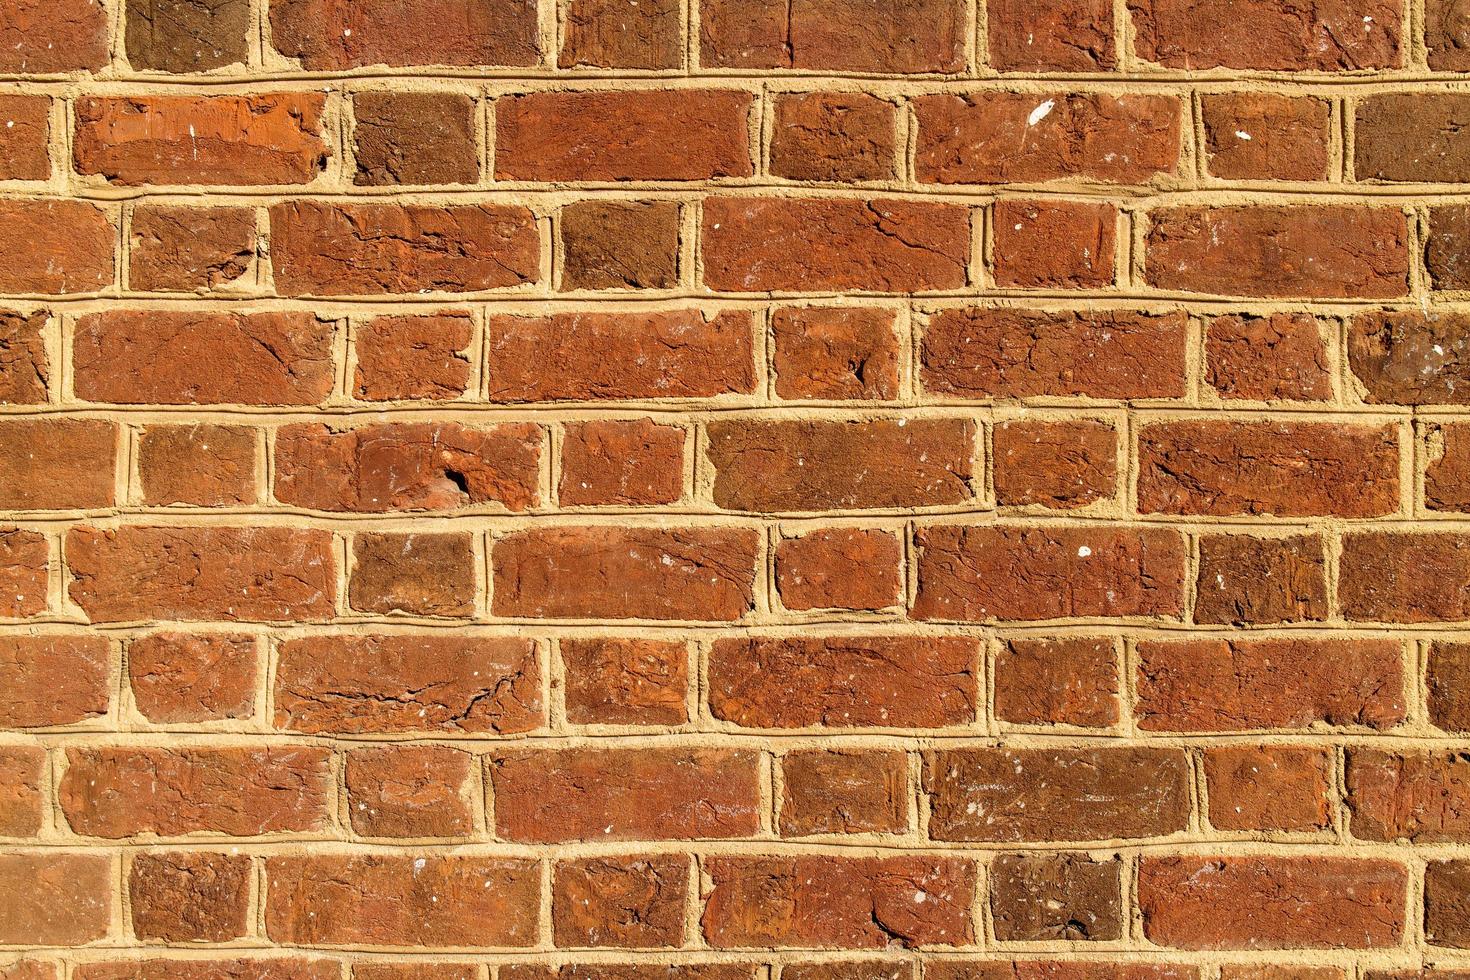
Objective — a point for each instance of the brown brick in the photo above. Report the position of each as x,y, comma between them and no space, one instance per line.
1278,357
1010,795
55,246
636,463
1411,358
601,356
844,681
180,678
53,36
555,795
415,970
23,770
25,558
669,134
1447,904
187,35
236,791
835,352
1054,244
1396,577
620,244
626,681
408,683
841,137
1268,972
418,574
206,465
1244,580
1047,897
55,899
1415,796
183,249
25,129
907,37
1447,34
1001,572
760,244
57,464
1271,902
826,792
272,968
631,971
25,370
598,572
839,568
413,357
1411,137
55,679
1269,787
1262,136
330,36
633,902
168,357
437,900
1448,676
189,896
1067,35
267,574
1059,465
1070,681
414,138
622,34
1003,352
1242,684
1334,35
846,902
409,791
1447,474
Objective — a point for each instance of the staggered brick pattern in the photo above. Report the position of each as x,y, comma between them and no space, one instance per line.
734,489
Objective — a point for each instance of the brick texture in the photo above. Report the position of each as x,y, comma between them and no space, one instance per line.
734,490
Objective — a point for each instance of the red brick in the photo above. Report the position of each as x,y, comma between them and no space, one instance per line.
554,795
54,679
1271,902
1411,137
187,36
634,463
671,134
205,465
25,370
329,35
53,36
324,249
1264,787
1054,244
407,683
1268,972
620,244
1410,357
633,902
23,770
643,34
1244,580
1067,35
25,130
834,136
1415,796
168,357
413,357
1287,469
55,899
827,792
759,244
216,139
601,356
1281,356
626,681
236,791
1233,685
1447,35
839,568
844,681
846,902
415,138
1048,897
1262,136
995,137
1447,472
418,574
693,573
835,352
1012,795
1334,35
1314,251
1396,577
408,466
646,970
25,558
189,896
179,678
55,246
999,572
182,249
1003,352
409,791
416,970
273,968
1448,676
1072,681
907,37
1060,465
270,574
400,900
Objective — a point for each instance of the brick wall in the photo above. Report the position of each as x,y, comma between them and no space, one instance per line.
734,490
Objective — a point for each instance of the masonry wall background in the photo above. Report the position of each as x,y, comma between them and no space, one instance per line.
735,490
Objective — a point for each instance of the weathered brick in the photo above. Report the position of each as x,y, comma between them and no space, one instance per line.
835,352
24,137
25,369
1051,969
1411,137
1447,904
1067,35
23,769
56,679
243,968
1403,577
55,899
632,902
839,568
53,36
179,678
1280,356
1333,35
626,681
25,558
827,792
187,35
413,357
189,896
1416,796
328,35
907,37
1448,676
1269,787
1263,136
1410,357
204,465
1058,465
55,247
418,574
1070,681
1447,255
1447,34
1039,898
1244,580
184,249
414,138
635,463
620,245
409,791
622,34
1054,244
841,137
